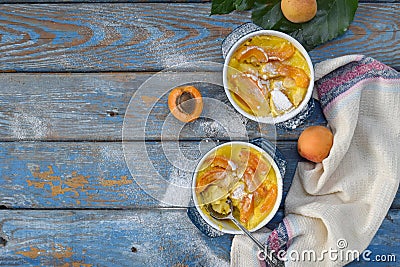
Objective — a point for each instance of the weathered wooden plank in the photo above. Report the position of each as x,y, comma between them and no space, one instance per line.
144,1
128,36
107,238
88,106
132,238
95,175
89,175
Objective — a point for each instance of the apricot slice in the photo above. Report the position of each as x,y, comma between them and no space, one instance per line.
251,180
250,91
260,194
246,208
255,170
251,54
242,103
185,103
298,75
209,177
254,162
269,201
275,69
285,51
315,143
221,161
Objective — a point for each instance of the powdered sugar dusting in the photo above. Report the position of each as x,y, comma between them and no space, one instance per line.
167,55
212,259
111,154
27,126
222,120
211,128
178,191
201,247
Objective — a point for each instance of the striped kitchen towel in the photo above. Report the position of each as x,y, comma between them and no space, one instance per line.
339,204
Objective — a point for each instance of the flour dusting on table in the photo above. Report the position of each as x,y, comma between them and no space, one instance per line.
28,126
178,192
201,247
219,119
168,56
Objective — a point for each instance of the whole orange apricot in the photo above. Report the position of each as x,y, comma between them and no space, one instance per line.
315,143
299,11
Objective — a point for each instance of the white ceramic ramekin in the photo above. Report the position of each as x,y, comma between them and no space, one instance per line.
223,225
285,116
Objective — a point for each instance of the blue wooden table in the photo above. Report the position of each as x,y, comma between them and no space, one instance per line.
68,71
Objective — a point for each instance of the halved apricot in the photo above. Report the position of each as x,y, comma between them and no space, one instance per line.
185,103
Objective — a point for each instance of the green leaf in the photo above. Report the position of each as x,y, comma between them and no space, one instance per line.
242,5
267,14
332,19
222,6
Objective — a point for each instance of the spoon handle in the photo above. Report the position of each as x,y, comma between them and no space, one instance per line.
272,261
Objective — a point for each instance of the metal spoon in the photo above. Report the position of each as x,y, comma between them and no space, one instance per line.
272,261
